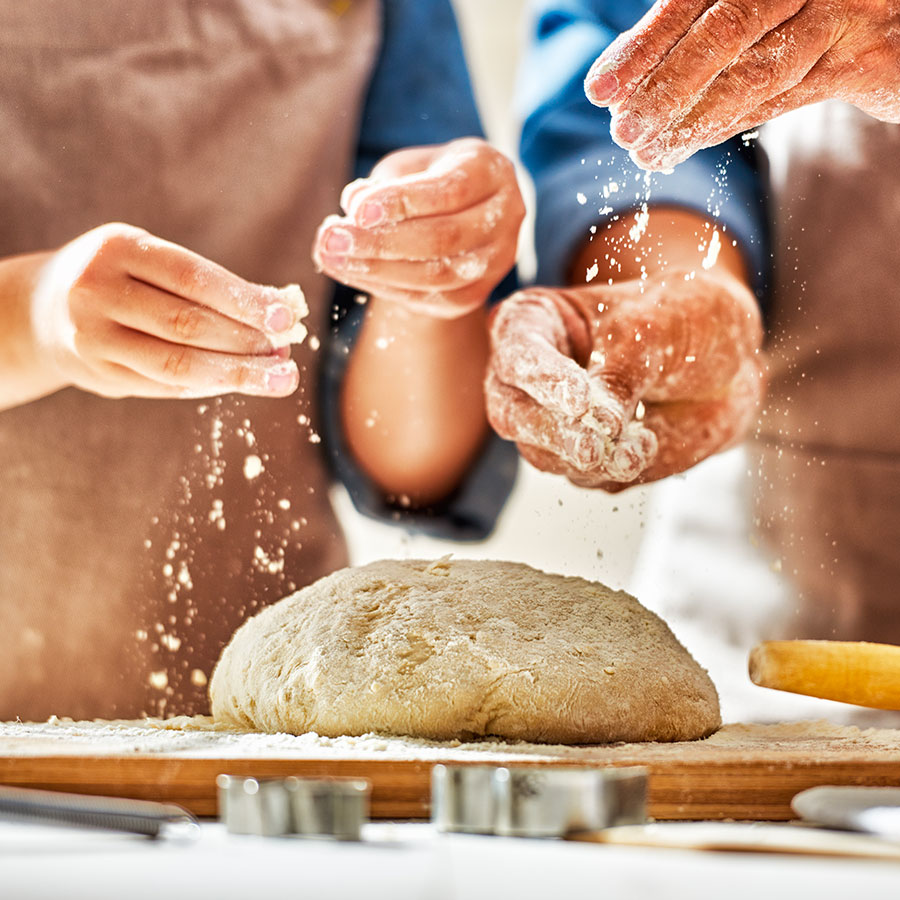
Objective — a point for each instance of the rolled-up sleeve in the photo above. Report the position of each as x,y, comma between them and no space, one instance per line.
582,177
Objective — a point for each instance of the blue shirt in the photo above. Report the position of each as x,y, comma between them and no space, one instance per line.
419,93
567,147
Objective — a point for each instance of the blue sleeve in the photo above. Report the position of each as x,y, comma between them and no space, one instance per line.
419,93
581,176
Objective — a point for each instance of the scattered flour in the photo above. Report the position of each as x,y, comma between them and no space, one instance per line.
201,737
253,467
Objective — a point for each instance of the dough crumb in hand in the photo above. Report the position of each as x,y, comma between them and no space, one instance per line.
292,296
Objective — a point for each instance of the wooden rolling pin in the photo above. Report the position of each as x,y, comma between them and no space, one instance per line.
861,673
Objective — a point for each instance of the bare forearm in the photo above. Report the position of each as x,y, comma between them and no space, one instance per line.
413,404
24,374
674,239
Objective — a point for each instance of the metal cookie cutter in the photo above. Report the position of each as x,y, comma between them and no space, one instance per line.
531,801
311,807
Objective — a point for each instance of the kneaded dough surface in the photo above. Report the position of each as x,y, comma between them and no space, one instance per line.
455,649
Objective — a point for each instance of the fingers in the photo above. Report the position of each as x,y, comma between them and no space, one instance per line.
578,444
186,274
407,161
682,435
435,237
463,174
190,371
531,351
691,431
635,53
812,88
722,35
764,71
142,307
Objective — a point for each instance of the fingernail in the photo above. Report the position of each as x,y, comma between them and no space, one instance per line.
627,128
279,317
282,378
338,241
601,88
370,213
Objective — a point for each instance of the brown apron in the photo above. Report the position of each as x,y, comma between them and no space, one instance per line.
827,458
135,535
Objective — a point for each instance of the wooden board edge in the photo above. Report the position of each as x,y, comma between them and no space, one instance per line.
694,790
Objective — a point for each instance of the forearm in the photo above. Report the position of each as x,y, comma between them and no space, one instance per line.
412,404
24,374
675,239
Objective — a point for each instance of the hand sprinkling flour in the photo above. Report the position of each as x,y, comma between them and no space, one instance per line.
122,313
693,73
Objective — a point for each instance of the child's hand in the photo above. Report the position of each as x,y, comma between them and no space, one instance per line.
434,228
119,312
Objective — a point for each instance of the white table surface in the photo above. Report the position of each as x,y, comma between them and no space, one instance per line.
404,860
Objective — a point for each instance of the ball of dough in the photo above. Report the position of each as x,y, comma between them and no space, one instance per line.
455,649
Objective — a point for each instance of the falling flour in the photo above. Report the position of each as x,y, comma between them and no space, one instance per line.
217,424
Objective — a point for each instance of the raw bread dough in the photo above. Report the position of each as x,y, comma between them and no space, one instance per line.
460,648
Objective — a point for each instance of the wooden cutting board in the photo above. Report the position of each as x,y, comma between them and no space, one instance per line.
747,772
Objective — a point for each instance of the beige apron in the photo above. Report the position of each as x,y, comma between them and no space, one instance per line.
823,478
828,455
135,535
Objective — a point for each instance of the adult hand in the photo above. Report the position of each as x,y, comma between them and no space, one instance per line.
433,228
693,73
619,385
120,312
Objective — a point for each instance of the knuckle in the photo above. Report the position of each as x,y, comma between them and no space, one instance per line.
453,192
187,322
115,237
729,22
474,147
81,311
448,238
438,272
88,280
188,275
663,92
178,363
242,378
83,345
754,74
